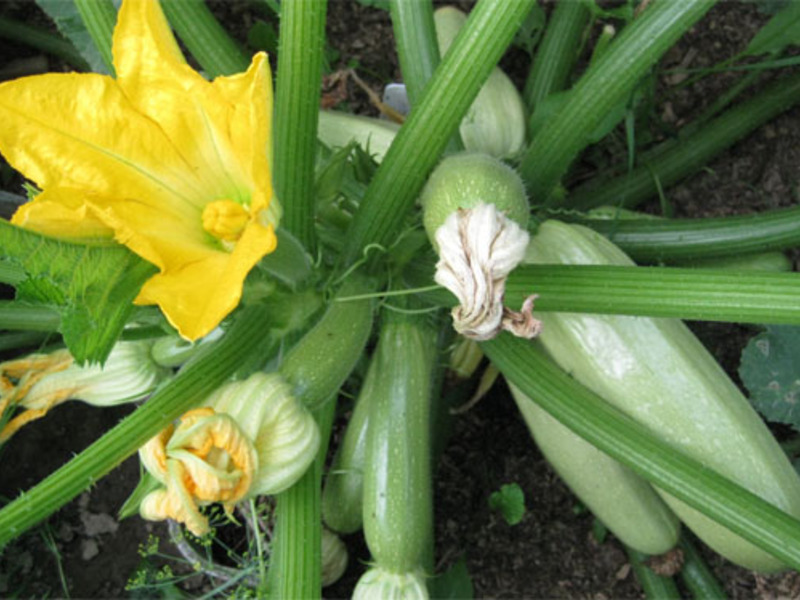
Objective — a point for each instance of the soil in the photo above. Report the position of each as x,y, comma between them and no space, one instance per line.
82,551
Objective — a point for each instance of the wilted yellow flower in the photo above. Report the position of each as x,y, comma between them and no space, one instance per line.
171,165
251,437
39,382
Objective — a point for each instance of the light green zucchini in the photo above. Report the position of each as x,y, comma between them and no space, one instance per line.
657,372
342,495
397,477
622,500
336,129
496,122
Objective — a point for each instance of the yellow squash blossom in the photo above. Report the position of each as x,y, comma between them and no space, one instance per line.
171,165
249,438
38,382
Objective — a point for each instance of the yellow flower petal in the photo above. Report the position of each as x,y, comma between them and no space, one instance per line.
63,213
213,283
81,132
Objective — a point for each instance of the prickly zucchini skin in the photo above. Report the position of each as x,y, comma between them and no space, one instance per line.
397,476
342,496
622,500
657,372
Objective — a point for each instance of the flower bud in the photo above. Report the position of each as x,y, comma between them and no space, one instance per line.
379,584
39,382
334,557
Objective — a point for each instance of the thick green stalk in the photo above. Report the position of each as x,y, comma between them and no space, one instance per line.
681,239
215,50
99,17
189,387
619,436
557,52
696,575
656,587
295,570
426,132
43,40
673,160
17,316
415,39
696,294
302,38
21,339
604,86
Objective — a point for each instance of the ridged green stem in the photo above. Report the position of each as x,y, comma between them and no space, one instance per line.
17,316
696,575
99,17
45,41
695,294
557,52
604,86
619,436
21,339
189,387
415,39
675,160
302,39
432,123
215,50
295,570
681,239
655,587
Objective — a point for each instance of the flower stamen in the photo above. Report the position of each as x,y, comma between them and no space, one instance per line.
225,219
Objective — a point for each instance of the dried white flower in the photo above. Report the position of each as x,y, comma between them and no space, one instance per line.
478,248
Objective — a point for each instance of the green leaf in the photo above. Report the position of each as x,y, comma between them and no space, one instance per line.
92,287
263,36
69,22
781,30
510,501
770,370
531,30
454,583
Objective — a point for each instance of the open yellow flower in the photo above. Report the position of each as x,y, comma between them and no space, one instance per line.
171,165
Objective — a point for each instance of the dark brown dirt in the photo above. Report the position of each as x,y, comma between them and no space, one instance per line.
552,553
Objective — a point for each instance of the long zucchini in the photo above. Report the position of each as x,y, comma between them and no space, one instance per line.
656,371
397,478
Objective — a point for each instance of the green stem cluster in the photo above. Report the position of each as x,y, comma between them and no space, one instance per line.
431,124
605,85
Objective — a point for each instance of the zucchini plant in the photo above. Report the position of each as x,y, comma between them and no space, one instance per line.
248,236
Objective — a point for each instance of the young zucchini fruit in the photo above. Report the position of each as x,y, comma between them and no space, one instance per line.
657,372
342,505
397,476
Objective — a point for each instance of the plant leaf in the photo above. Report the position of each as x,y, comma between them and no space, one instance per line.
510,501
68,21
454,583
770,371
782,30
92,287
